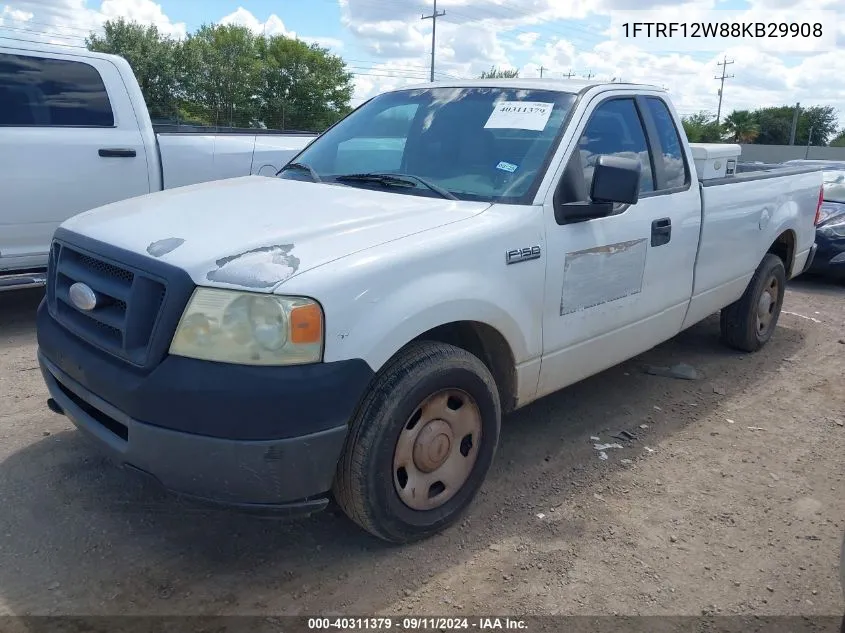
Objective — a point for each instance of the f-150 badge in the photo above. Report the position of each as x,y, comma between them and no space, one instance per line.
522,254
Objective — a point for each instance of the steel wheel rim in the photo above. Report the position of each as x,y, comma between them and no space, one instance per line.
437,449
766,305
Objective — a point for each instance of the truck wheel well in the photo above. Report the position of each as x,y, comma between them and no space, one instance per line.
784,247
486,343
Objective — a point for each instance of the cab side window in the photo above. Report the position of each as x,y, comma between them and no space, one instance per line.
615,129
46,92
675,170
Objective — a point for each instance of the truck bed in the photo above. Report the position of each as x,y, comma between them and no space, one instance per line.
204,154
736,210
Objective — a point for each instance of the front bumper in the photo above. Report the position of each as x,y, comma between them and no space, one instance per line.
830,255
255,438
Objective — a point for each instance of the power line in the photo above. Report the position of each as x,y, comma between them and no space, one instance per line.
31,41
724,64
520,17
83,29
76,38
433,17
411,72
513,32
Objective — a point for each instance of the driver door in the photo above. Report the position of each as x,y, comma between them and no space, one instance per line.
617,285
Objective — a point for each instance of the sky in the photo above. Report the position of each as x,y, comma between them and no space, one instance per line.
387,44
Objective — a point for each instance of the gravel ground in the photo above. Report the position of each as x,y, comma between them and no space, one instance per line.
731,499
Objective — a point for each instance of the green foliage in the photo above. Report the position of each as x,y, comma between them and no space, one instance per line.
497,73
702,128
741,126
823,121
838,140
225,75
152,57
775,124
220,73
303,87
766,126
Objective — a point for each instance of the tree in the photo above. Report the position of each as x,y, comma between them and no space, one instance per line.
839,140
822,120
221,70
702,128
776,124
741,126
300,86
152,57
226,75
499,73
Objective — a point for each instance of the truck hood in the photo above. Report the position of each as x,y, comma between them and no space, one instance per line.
255,232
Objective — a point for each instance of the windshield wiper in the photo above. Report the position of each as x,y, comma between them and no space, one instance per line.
397,180
303,167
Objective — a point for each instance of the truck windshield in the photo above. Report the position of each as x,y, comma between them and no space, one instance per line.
488,144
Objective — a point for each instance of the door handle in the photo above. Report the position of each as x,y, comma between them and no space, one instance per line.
661,231
117,152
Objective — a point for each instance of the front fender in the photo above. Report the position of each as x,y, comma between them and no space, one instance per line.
379,323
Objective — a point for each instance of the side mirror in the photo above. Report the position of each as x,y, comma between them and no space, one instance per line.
616,180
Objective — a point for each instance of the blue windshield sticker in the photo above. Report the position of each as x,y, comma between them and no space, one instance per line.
510,167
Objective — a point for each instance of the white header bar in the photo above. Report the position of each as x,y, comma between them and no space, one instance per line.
785,31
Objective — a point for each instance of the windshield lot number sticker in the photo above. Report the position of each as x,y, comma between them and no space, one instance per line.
520,115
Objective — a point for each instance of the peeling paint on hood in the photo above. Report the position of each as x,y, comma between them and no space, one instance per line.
256,232
165,246
262,267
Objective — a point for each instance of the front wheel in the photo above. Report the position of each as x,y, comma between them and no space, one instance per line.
748,323
421,444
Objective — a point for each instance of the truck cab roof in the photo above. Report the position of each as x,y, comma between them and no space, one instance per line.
572,86
24,45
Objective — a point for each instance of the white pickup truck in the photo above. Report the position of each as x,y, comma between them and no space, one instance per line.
356,327
75,134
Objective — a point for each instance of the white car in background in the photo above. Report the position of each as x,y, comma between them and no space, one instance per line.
75,134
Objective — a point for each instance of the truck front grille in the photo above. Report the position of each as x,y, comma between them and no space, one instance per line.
129,302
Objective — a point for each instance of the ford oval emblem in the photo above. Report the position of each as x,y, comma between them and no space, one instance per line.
82,296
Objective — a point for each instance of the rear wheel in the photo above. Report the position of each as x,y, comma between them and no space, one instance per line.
749,323
421,444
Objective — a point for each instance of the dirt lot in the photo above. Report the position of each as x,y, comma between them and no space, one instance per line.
733,501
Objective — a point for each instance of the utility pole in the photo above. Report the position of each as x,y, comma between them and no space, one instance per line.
724,64
589,74
541,72
809,138
569,74
794,123
433,17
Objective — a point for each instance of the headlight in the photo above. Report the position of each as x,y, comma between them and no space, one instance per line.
837,228
829,210
250,329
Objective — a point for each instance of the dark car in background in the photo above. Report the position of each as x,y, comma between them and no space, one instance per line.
830,231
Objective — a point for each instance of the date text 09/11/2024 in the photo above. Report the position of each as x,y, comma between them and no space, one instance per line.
417,624
723,29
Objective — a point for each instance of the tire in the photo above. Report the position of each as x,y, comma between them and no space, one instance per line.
424,379
743,324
